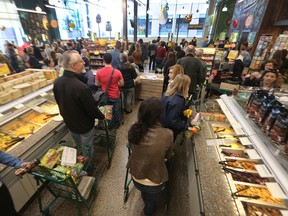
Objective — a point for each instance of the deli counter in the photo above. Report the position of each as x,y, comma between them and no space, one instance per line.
29,126
238,168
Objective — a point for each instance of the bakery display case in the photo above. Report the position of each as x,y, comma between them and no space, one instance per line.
29,126
208,57
241,168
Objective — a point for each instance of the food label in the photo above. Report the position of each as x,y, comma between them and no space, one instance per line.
253,154
275,190
263,171
245,141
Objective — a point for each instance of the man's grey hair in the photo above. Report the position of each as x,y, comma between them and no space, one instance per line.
190,50
69,57
199,52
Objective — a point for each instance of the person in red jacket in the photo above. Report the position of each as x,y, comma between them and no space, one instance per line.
160,55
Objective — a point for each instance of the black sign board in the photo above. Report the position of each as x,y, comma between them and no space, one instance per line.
195,26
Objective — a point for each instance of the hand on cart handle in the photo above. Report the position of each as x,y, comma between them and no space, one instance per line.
27,167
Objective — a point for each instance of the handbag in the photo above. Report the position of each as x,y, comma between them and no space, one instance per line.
102,97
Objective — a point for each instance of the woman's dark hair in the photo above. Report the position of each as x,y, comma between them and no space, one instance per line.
46,61
148,115
275,71
162,43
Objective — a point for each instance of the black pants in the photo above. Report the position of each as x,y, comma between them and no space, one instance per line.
152,62
6,202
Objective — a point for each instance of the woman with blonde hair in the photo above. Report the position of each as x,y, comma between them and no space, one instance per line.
137,56
173,72
174,104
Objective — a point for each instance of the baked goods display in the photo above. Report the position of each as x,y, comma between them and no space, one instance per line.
241,164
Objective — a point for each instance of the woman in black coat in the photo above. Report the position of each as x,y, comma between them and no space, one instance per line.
129,74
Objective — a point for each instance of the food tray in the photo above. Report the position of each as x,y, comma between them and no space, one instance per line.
36,117
20,128
266,199
49,107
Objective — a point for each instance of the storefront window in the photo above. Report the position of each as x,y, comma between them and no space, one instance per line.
163,23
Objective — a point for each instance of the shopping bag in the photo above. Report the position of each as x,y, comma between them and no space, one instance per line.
101,97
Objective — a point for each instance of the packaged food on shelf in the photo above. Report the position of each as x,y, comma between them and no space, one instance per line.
256,103
272,116
265,108
279,129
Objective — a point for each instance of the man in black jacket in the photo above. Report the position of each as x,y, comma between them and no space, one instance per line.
76,103
194,69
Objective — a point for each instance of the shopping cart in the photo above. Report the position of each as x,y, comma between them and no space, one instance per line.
82,192
106,138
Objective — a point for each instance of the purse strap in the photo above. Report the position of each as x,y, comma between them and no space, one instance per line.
110,80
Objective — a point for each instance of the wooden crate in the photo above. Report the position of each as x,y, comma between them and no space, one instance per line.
149,88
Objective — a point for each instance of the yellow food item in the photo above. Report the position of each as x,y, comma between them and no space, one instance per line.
50,158
36,117
188,113
20,128
5,140
49,107
245,165
264,193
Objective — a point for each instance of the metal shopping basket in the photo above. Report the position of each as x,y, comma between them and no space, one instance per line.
105,138
82,191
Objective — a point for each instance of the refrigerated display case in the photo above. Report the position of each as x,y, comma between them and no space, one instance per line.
239,169
33,125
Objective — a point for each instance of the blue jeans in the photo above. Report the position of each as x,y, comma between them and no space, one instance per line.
150,195
116,112
84,143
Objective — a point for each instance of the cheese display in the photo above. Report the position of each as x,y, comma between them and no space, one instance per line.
49,107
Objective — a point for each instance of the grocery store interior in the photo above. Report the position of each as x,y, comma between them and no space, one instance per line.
230,157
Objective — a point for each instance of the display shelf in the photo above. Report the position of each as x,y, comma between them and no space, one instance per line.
96,56
261,52
32,145
280,43
25,98
276,163
208,57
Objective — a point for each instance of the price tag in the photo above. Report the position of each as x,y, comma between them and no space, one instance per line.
215,142
253,154
275,190
18,106
263,171
43,94
245,141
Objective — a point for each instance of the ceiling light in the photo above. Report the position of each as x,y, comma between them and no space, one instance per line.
31,11
37,8
224,9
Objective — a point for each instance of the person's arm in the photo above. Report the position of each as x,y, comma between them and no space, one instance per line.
174,114
10,160
120,80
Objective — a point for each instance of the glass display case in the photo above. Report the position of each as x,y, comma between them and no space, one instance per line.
240,169
29,126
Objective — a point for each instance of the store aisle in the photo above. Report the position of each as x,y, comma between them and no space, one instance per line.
109,200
